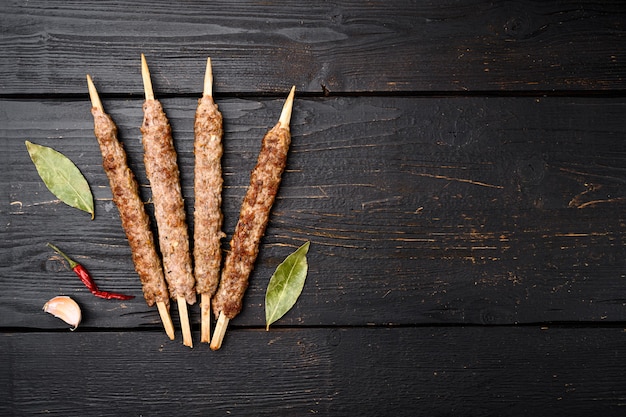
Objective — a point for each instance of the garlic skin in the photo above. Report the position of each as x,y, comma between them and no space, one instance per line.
66,309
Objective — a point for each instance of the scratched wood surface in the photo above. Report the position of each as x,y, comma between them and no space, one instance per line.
458,167
319,46
340,372
459,210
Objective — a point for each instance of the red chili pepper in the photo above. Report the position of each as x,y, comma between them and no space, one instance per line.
112,295
86,279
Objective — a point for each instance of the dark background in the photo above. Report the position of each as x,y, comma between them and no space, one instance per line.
458,167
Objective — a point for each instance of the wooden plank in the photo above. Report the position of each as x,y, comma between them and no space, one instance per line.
392,46
453,210
326,371
419,210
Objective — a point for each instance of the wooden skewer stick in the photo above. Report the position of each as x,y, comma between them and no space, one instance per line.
205,315
145,76
184,321
93,94
220,331
222,320
285,114
164,312
208,79
181,302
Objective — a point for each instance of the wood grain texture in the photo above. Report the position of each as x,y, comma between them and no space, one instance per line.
345,46
452,210
345,372
458,166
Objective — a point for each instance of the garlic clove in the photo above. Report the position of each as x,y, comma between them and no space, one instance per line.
65,308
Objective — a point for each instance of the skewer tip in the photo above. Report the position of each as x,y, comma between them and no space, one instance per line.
220,331
166,319
208,79
93,94
285,115
184,321
145,75
205,314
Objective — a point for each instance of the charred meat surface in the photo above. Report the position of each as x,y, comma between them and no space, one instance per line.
253,219
135,221
169,211
208,195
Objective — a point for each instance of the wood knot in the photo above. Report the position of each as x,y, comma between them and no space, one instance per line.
531,171
334,337
518,27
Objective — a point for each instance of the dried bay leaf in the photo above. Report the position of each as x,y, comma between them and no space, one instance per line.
285,285
62,177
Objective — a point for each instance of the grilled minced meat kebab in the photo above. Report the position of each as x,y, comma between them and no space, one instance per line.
208,200
169,210
135,221
253,218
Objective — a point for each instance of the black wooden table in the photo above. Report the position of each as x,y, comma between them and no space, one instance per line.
457,166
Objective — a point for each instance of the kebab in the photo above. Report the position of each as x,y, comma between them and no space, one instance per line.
208,200
253,218
169,210
135,221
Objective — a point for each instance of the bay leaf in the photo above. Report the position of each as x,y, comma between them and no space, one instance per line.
62,177
286,285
